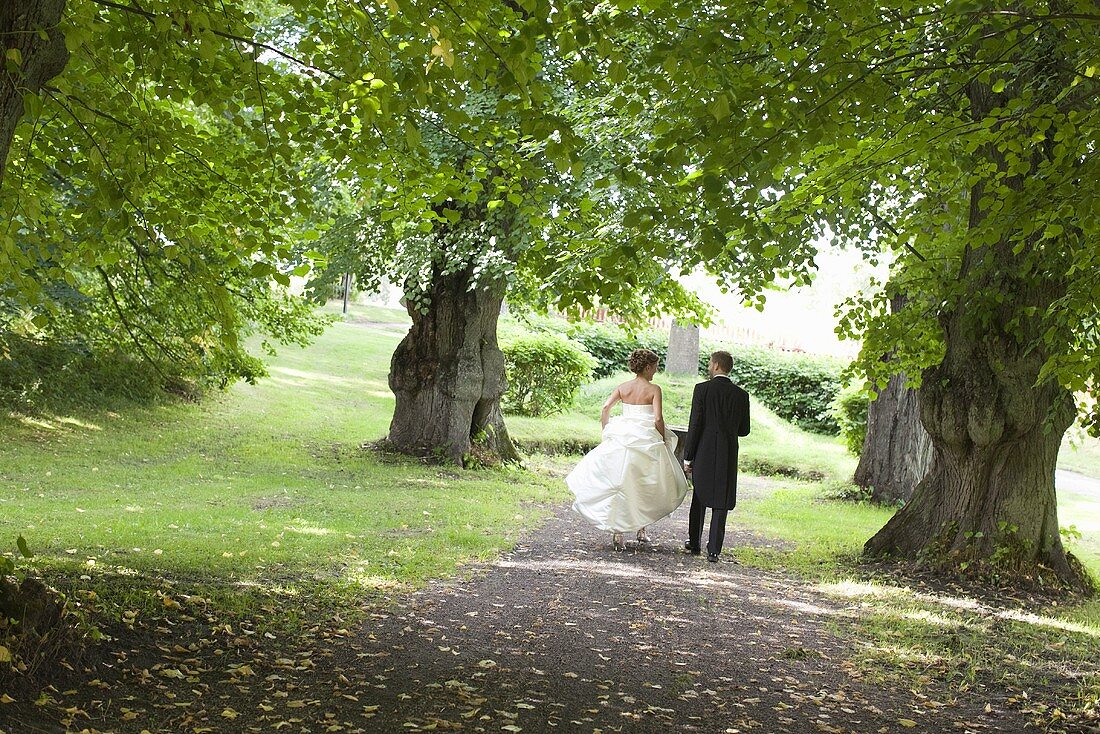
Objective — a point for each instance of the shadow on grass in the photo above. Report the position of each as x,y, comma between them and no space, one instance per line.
1040,657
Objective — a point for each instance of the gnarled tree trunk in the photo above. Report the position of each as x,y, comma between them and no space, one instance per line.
22,26
448,374
989,495
897,451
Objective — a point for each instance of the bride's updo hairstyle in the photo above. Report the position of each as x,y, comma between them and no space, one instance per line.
640,359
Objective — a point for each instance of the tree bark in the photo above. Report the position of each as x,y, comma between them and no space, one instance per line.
989,495
897,451
23,23
448,375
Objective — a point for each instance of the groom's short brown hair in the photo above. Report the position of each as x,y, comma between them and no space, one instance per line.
723,361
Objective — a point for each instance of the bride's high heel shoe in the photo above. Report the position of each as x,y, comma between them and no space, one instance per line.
643,536
618,542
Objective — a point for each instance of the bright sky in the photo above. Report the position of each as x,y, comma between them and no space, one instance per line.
801,318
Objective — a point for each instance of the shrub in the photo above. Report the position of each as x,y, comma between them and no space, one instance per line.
849,409
58,376
544,373
611,345
799,388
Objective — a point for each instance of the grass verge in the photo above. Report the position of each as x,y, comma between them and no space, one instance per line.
260,493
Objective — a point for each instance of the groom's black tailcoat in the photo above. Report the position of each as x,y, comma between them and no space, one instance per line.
719,414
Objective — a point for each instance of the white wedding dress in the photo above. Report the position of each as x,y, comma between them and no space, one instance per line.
632,479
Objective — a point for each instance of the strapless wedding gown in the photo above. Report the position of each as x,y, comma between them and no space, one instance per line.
632,479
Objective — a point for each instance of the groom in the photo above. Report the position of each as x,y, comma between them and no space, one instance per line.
719,414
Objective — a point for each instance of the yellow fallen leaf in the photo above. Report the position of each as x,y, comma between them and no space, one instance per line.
6,699
907,723
229,714
5,654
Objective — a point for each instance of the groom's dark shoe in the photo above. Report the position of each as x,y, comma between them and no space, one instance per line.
692,549
712,557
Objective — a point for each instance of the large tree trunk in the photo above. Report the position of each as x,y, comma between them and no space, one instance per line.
22,26
988,499
448,375
897,451
989,495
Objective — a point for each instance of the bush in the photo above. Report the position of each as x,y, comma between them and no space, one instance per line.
849,409
611,345
799,388
54,376
544,373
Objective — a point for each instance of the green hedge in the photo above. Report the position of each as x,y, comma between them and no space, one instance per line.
47,377
612,345
850,411
798,387
544,373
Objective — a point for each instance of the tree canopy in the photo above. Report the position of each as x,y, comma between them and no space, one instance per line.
583,152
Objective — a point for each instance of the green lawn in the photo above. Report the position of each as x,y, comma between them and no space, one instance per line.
367,313
1079,510
266,485
1080,453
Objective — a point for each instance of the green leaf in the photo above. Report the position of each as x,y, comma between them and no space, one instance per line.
21,543
412,134
720,107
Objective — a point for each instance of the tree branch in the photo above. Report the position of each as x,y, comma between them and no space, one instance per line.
223,34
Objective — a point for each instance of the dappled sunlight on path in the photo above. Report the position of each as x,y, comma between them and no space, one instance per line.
563,634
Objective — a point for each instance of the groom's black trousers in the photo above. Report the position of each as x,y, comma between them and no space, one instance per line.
717,525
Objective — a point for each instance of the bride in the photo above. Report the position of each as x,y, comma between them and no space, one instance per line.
632,479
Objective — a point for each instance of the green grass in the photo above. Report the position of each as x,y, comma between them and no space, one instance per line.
1080,510
366,313
1047,660
825,536
1080,453
265,486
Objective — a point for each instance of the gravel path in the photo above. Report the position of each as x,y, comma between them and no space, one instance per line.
563,634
